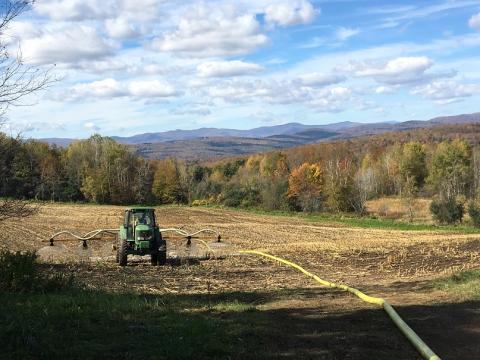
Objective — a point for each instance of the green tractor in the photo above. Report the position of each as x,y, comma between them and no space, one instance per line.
140,235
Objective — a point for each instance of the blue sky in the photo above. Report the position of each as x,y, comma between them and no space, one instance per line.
128,67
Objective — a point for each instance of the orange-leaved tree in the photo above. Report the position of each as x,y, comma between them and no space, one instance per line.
305,187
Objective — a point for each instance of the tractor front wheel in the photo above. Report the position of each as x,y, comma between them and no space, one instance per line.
122,252
117,259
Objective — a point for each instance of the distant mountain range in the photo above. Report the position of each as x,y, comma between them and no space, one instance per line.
207,143
177,135
261,132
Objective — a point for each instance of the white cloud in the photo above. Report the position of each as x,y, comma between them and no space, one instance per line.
333,99
107,88
227,68
141,10
359,58
268,90
82,10
402,70
21,30
236,91
207,31
120,28
320,79
344,33
20,127
111,88
199,111
77,10
100,66
399,14
65,45
446,92
383,90
474,22
289,13
398,66
151,88
91,126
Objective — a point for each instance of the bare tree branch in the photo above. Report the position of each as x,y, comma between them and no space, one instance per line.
17,79
10,9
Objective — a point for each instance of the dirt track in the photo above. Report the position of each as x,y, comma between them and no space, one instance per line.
392,264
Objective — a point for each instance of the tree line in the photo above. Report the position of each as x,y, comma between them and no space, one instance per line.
334,177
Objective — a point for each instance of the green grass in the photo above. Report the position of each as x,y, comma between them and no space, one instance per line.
233,306
89,324
465,284
375,223
46,314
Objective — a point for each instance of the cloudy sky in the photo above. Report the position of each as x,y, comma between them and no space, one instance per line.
134,66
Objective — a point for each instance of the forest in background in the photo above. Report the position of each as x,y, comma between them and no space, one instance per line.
441,163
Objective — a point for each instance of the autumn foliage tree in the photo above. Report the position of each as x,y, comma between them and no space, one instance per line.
273,181
451,172
104,170
167,186
413,166
340,186
306,186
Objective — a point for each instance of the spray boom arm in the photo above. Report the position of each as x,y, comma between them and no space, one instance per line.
92,235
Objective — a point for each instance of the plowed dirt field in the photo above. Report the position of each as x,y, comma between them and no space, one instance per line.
319,323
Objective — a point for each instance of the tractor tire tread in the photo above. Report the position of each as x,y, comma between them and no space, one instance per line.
122,253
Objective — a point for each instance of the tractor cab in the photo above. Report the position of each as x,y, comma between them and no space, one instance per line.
139,222
140,235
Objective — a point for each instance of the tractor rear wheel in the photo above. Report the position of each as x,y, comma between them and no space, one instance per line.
162,257
122,252
154,257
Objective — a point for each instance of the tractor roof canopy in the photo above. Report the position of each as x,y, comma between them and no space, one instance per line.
141,209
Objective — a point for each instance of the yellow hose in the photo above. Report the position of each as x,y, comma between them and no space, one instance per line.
207,246
414,339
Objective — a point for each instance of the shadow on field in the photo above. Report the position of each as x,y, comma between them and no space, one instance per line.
451,330
170,262
80,323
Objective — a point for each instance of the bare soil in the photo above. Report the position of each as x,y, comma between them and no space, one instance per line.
318,323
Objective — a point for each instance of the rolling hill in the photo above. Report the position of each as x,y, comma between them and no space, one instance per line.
206,143
214,147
